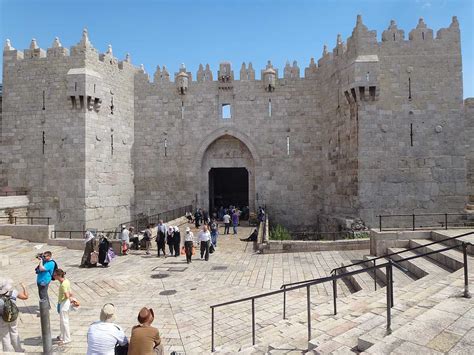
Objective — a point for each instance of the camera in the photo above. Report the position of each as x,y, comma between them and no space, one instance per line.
39,256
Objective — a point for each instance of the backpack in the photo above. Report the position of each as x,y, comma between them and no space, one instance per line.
54,269
10,309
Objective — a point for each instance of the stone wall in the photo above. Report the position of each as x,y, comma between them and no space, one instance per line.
469,132
372,127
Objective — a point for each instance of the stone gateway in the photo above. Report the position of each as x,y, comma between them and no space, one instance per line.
371,128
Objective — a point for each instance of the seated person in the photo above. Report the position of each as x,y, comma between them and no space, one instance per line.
252,237
145,339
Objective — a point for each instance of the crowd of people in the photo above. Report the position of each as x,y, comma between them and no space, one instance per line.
104,336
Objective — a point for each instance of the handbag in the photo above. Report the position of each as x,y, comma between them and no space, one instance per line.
194,250
183,250
121,349
212,249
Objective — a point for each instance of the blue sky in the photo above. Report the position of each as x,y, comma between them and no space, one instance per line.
211,31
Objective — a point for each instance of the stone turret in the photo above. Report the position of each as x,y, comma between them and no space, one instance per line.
269,76
182,80
362,41
421,32
393,34
34,51
57,49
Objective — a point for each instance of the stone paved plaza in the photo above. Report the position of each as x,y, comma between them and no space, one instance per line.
183,318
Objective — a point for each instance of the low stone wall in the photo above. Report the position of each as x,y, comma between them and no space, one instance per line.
292,246
381,241
32,233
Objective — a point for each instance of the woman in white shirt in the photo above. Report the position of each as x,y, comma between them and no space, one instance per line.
188,244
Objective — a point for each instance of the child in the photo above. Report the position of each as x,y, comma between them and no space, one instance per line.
64,303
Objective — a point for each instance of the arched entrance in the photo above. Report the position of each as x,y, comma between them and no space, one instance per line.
227,174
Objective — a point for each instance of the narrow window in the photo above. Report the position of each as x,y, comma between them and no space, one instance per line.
372,92
422,35
94,88
269,107
394,36
353,92
409,88
367,76
166,147
226,111
362,92
81,101
43,100
287,145
44,141
112,144
112,105
73,102
411,134
182,109
75,86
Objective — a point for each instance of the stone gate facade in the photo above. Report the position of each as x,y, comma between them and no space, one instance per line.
371,127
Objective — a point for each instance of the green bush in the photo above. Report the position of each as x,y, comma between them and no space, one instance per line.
280,233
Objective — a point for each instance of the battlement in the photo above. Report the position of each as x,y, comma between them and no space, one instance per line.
83,50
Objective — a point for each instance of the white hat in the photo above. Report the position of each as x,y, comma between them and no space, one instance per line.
107,314
188,229
6,285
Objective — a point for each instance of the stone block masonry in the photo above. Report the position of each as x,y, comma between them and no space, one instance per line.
372,128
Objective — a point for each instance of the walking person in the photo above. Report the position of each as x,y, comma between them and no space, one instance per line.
235,220
170,240
188,244
44,275
8,330
90,243
197,218
147,238
226,220
177,240
125,238
104,246
64,304
161,237
204,238
145,339
214,231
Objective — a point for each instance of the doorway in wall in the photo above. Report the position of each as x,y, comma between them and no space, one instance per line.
228,186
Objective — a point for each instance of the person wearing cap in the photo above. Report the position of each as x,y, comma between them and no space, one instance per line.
8,330
177,240
104,335
145,339
204,238
125,238
188,244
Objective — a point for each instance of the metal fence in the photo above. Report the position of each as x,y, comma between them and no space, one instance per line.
25,220
349,234
66,234
425,221
13,193
141,222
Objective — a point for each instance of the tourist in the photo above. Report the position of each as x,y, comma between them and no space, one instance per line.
44,271
235,220
64,304
8,330
226,220
205,216
145,339
89,241
104,335
204,238
104,246
125,238
214,231
147,238
188,244
161,237
197,218
177,240
252,237
134,240
261,214
170,240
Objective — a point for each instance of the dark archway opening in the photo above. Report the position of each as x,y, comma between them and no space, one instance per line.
228,186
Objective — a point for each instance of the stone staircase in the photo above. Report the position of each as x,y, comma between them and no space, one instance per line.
426,302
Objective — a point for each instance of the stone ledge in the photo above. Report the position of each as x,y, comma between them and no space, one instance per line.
32,233
291,246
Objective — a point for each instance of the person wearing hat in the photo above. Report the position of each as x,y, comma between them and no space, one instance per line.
145,339
188,244
89,247
8,330
104,335
177,240
125,238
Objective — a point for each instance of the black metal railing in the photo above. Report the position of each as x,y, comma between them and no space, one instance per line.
424,221
333,278
141,222
13,193
316,236
25,220
75,234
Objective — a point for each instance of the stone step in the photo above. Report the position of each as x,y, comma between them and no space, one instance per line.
362,281
400,278
452,259
442,235
420,266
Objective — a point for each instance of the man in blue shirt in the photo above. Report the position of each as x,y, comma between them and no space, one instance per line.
44,271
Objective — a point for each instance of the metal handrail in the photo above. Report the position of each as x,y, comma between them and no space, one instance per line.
13,193
444,224
81,233
333,278
403,251
14,219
